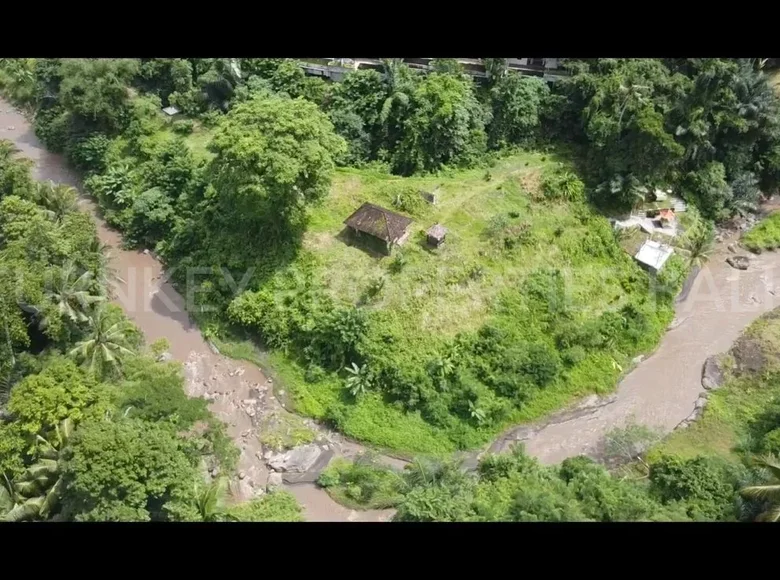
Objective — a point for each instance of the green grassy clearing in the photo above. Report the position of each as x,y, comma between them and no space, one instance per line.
433,295
765,235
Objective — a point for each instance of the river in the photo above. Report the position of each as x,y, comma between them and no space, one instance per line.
660,391
159,311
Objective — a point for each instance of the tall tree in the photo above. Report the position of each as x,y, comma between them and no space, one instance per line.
128,471
106,343
96,91
517,104
72,293
447,126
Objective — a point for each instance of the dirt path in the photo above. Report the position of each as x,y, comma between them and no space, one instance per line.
239,394
660,392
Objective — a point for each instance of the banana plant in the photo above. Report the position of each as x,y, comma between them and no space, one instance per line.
36,494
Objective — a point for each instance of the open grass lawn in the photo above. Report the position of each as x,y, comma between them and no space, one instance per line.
433,293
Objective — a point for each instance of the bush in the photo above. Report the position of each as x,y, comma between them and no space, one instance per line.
406,198
278,506
562,184
52,126
362,484
183,126
704,484
764,236
89,154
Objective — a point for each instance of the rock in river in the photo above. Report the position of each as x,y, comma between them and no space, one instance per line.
738,262
296,460
274,480
711,374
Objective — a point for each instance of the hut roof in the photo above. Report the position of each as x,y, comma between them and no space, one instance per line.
171,111
437,231
379,222
666,214
654,254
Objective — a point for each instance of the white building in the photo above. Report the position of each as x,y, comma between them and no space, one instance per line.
653,255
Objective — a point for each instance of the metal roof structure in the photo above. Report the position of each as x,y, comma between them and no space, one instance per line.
654,254
171,111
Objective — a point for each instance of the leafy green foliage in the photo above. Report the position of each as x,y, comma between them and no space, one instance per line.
706,485
127,471
515,487
764,236
445,128
362,484
61,391
95,91
517,103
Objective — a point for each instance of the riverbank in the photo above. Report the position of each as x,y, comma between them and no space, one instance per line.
239,394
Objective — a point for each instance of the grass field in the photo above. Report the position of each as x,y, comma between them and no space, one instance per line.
429,296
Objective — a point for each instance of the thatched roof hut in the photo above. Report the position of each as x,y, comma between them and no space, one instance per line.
379,222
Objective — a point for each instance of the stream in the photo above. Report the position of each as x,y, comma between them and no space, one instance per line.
660,392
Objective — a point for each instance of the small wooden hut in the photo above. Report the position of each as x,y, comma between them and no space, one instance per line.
436,234
378,222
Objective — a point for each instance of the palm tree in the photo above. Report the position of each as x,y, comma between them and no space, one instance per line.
37,492
210,500
106,344
70,293
107,274
698,247
57,199
768,493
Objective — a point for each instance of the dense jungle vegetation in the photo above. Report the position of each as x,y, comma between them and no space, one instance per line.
530,303
93,427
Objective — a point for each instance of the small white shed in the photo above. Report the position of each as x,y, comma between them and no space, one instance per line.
170,111
653,255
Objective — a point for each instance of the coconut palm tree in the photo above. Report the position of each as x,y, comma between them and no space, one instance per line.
36,494
57,199
210,500
768,493
106,274
106,344
698,247
70,292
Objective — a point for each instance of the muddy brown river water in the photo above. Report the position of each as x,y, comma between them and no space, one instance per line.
660,391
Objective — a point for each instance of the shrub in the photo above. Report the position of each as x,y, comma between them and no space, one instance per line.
407,198
562,184
704,484
765,235
183,126
279,506
89,154
362,484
